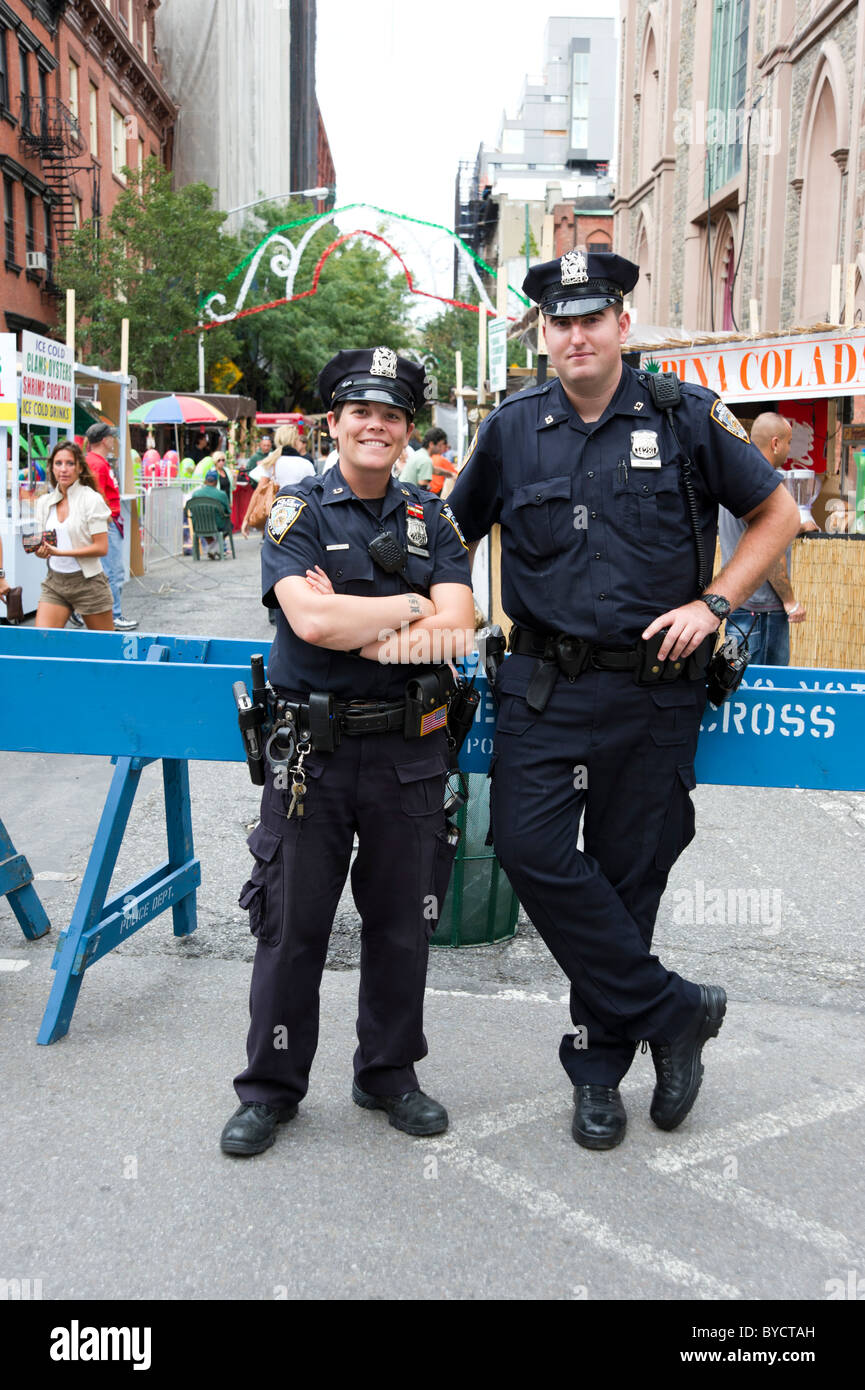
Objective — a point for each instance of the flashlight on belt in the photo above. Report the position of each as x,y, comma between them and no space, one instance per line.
251,714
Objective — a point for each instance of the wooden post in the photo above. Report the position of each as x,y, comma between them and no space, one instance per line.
70,321
461,439
482,354
124,347
501,305
755,317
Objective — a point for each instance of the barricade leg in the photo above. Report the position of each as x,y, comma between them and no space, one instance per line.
178,821
70,960
16,882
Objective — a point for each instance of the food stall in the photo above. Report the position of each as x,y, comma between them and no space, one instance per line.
816,378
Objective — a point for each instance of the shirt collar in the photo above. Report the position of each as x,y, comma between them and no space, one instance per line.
631,398
336,489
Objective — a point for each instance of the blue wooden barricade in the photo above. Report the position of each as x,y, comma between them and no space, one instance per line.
170,698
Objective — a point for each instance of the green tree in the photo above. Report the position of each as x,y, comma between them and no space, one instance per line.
455,330
159,254
357,303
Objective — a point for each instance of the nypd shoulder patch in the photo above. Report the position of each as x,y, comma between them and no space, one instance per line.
727,420
449,516
283,515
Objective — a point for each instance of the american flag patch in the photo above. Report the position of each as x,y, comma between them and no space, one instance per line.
436,719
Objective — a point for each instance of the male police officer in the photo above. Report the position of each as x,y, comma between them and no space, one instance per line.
368,575
584,475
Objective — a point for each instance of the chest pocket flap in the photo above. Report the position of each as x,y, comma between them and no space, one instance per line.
346,567
542,490
541,518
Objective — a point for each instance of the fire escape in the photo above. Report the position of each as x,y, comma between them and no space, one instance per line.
49,130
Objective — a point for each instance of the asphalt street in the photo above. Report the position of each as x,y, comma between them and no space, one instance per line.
757,1195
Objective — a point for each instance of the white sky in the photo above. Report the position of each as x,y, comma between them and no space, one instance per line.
407,89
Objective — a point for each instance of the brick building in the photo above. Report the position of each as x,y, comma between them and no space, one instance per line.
741,171
80,97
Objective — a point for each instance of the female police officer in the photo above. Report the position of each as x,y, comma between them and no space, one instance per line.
368,576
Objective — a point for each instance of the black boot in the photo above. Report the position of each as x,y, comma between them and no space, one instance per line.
599,1117
414,1113
251,1128
677,1064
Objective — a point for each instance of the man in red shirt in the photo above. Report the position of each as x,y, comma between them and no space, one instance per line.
100,456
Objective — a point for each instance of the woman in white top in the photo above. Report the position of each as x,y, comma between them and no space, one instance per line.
79,515
285,466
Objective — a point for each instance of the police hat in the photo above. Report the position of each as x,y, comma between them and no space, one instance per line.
373,374
581,282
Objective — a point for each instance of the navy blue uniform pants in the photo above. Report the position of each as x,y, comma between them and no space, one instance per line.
390,791
624,755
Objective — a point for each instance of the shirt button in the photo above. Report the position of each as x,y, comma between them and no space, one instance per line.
597,554
602,595
645,487
590,475
539,497
339,574
593,514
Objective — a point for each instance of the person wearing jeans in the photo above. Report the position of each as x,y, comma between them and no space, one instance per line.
100,455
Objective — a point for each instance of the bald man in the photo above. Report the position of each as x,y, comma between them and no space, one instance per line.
771,608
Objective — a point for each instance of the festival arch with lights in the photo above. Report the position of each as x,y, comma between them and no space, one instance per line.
285,258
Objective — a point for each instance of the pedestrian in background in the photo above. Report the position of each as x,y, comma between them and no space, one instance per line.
101,457
77,517
765,616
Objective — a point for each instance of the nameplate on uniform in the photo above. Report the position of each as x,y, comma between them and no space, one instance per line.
417,540
436,719
645,451
342,546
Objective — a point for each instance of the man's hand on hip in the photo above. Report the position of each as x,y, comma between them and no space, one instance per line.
687,628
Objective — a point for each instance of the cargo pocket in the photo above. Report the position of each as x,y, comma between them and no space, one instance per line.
673,718
678,830
262,894
422,786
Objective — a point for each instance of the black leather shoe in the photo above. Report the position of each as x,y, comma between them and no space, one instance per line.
599,1117
414,1113
677,1064
251,1128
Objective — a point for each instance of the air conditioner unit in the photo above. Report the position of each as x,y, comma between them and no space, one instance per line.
37,260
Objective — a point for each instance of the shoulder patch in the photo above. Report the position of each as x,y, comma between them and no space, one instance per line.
727,420
449,516
283,515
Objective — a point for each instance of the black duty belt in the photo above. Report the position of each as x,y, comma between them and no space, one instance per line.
352,716
573,656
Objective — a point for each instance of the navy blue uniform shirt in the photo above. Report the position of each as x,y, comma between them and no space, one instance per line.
596,540
321,522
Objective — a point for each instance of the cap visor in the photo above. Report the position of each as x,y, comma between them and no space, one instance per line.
386,395
578,308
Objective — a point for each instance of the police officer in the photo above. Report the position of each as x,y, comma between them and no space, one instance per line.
368,576
585,476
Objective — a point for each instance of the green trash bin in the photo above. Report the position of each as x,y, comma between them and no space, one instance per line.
480,907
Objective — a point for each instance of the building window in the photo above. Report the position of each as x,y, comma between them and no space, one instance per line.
118,145
579,101
43,100
145,48
140,153
727,77
123,12
73,87
4,71
76,210
94,121
9,219
24,68
29,226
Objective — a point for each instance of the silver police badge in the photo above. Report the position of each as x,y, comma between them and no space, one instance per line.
644,449
575,268
283,515
416,533
383,362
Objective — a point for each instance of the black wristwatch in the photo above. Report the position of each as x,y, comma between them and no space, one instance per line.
716,604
